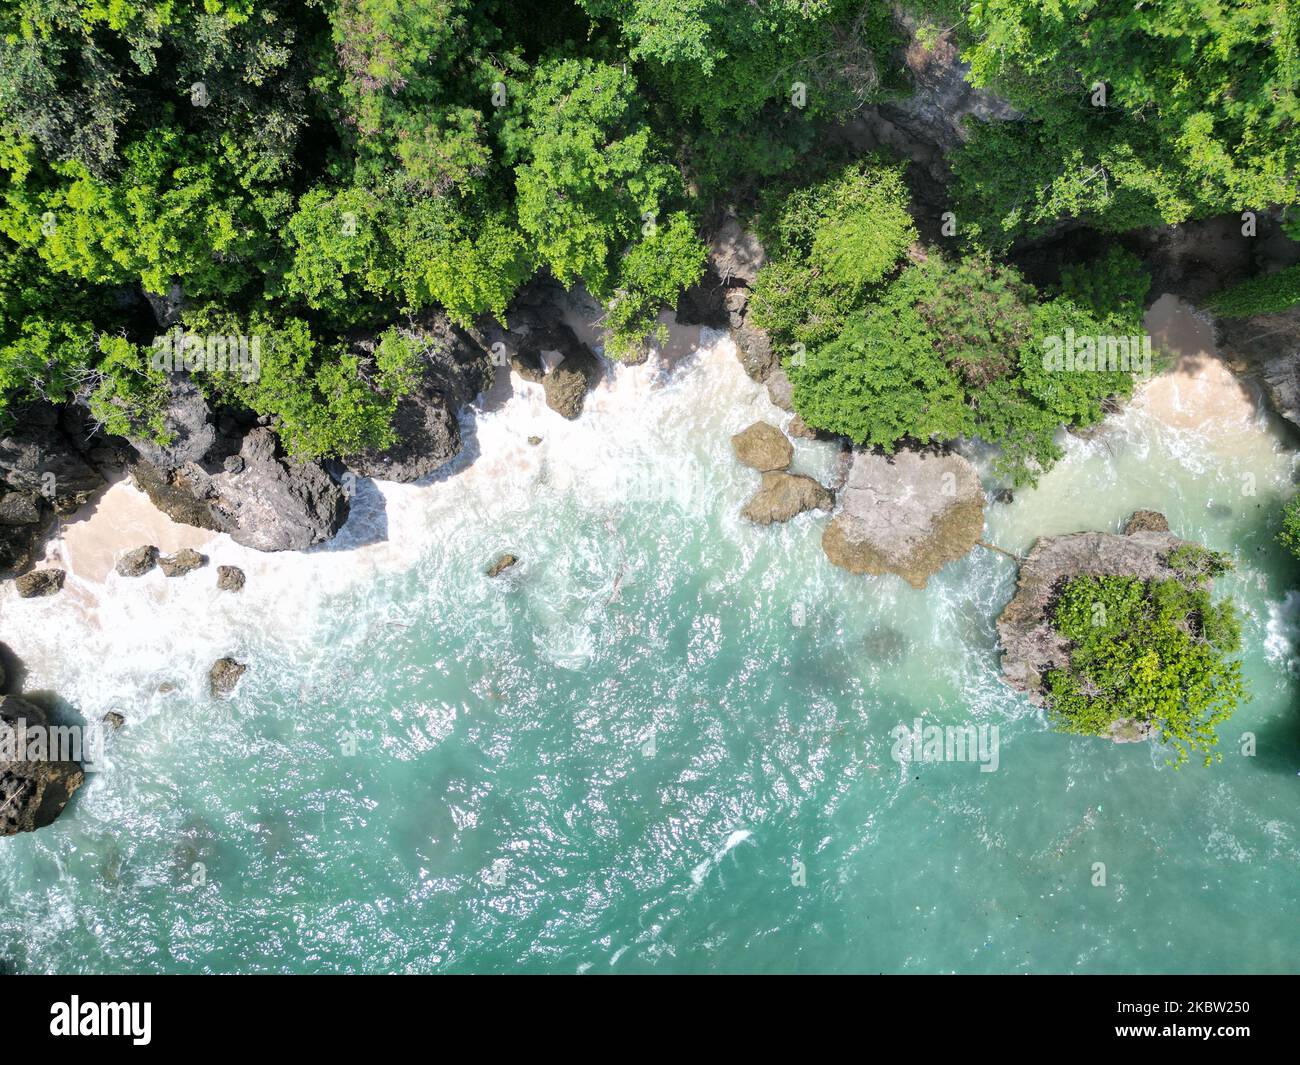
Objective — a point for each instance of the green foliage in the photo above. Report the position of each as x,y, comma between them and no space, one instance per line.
1289,536
1155,652
651,275
948,350
1113,288
828,245
1269,294
588,170
1199,117
325,399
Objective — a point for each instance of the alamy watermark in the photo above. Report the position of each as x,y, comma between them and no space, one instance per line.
1101,354
21,742
178,351
919,742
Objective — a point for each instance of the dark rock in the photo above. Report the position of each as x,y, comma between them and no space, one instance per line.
187,420
502,564
1268,348
1146,521
909,514
186,560
39,582
230,578
783,495
275,503
19,508
33,791
138,562
735,253
528,366
453,370
570,380
233,464
763,447
39,459
224,675
114,720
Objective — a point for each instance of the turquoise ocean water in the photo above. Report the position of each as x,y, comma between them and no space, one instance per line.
661,742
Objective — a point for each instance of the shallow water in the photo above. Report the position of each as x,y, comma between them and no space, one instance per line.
620,755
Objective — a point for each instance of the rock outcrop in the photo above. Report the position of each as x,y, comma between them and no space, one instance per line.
782,495
721,298
137,562
265,500
502,564
186,560
39,582
909,514
189,423
1268,348
224,675
763,447
1146,521
33,788
454,368
1031,647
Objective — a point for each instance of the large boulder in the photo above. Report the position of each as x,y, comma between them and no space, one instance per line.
262,497
40,582
909,513
763,447
1031,647
569,380
224,675
186,560
454,368
783,495
735,253
33,788
138,561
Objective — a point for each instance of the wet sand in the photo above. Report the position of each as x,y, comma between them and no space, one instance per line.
1197,391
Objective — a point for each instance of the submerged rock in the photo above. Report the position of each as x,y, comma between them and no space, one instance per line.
39,582
224,675
783,495
138,562
230,578
1031,647
114,720
1146,521
909,514
502,564
763,447
186,560
33,789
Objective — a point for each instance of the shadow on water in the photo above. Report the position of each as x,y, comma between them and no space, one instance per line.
12,670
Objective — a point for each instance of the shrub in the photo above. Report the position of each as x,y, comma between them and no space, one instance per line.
1259,295
1157,652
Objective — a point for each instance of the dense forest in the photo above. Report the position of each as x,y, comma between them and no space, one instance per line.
311,172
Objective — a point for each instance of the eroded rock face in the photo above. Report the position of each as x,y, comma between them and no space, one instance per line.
188,420
39,460
39,582
763,447
267,501
1268,347
784,495
909,514
33,790
1031,647
1146,521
